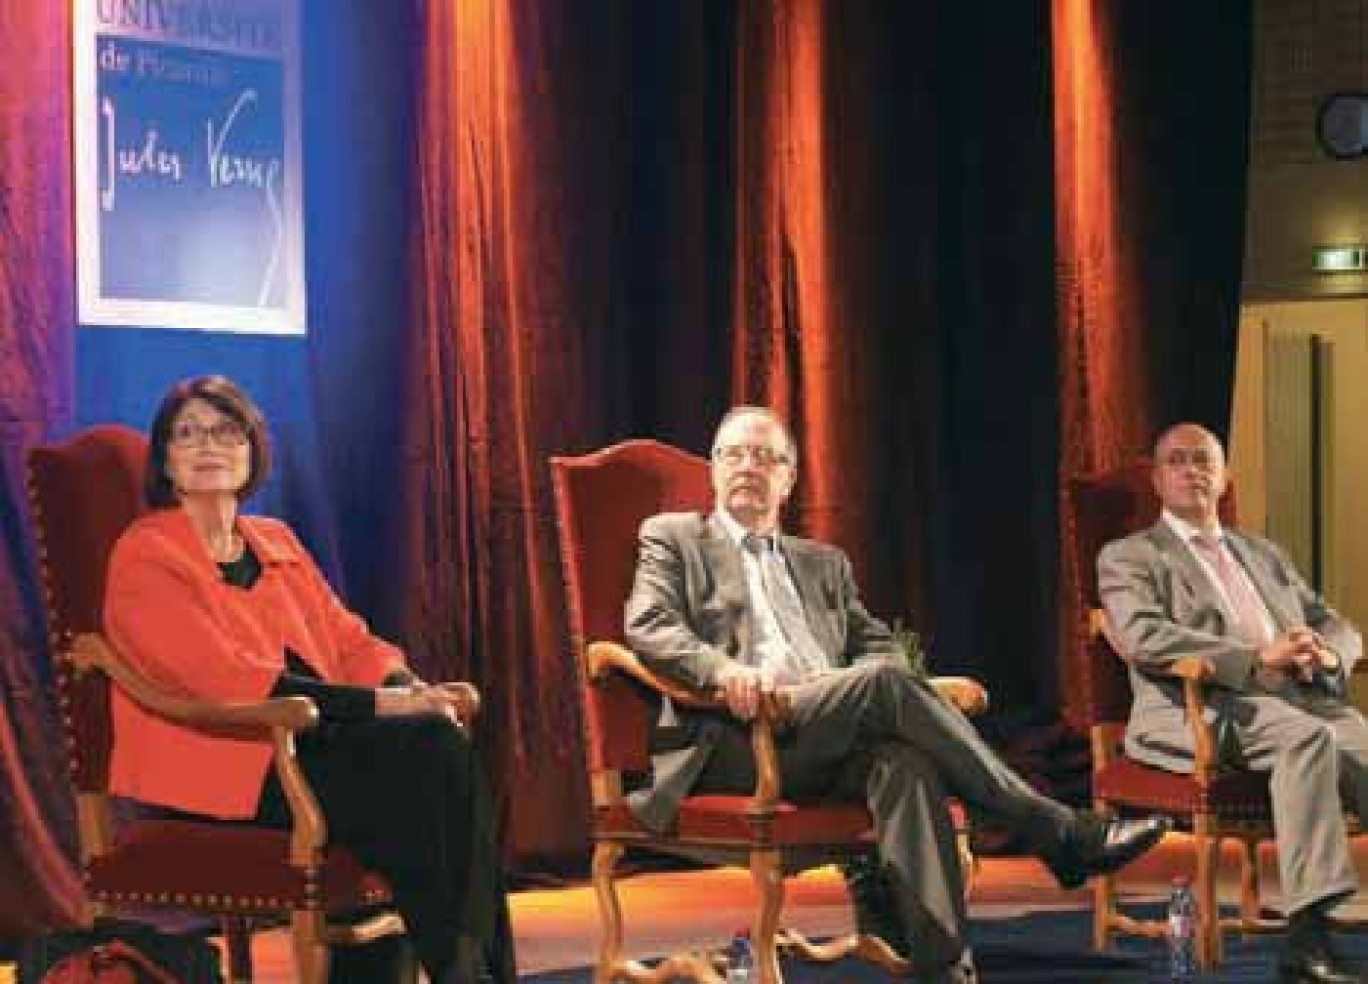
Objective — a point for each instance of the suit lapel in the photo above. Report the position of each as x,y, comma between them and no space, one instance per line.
1244,552
1194,576
807,568
722,558
1181,557
724,561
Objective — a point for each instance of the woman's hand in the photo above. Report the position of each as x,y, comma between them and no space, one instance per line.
463,698
415,700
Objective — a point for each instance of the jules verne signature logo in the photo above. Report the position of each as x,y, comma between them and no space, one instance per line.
145,153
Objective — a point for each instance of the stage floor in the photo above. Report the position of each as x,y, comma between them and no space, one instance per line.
558,928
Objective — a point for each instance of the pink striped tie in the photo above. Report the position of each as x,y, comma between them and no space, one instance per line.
1252,622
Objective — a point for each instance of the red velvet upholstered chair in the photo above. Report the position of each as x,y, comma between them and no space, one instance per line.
83,494
601,499
1215,803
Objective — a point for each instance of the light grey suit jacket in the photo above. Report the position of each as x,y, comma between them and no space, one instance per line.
1163,606
689,615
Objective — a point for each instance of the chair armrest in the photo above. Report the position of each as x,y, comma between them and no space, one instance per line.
1099,624
1193,668
1186,668
278,719
603,658
768,787
295,713
966,693
1195,672
465,697
308,827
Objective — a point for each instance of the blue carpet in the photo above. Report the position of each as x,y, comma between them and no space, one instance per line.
1052,947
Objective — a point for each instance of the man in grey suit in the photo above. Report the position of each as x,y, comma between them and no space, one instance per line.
1187,587
727,601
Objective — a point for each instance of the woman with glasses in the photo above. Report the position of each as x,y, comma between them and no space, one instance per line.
231,608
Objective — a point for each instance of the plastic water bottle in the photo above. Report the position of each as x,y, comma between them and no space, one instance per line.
741,959
1182,932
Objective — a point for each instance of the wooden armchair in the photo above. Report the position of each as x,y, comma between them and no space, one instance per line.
601,500
83,494
1214,802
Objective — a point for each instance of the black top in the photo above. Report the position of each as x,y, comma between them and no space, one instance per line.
243,572
335,701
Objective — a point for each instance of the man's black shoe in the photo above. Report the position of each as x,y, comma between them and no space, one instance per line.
1099,846
1309,955
1324,967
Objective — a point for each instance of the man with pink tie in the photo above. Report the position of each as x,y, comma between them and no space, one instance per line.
1281,655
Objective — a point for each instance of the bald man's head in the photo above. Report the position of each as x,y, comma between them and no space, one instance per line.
1190,473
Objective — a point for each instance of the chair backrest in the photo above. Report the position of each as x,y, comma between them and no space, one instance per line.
601,500
1107,506
83,493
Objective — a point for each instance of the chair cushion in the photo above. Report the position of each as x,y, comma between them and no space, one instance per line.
224,867
723,819
1235,792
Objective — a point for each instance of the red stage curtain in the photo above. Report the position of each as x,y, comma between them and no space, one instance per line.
38,886
789,315
1151,111
826,273
892,299
507,368
1105,415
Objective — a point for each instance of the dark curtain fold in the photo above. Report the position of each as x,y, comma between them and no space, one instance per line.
38,887
893,298
517,135
992,525
1152,114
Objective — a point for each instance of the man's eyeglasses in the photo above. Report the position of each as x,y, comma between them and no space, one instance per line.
226,433
733,455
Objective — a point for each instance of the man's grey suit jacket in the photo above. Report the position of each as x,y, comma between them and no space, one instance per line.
1163,606
689,615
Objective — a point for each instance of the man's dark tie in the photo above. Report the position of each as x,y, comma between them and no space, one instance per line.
806,658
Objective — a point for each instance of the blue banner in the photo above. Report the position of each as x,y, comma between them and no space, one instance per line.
188,166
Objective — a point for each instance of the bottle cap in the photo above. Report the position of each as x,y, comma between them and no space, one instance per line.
1181,881
743,931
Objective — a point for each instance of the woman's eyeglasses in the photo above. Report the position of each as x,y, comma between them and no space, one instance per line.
226,433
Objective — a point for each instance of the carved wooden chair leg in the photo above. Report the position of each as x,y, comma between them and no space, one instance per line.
1208,907
309,937
769,884
968,861
1251,911
237,941
1104,911
606,855
1104,897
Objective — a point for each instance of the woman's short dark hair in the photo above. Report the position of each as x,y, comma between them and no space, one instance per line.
224,396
